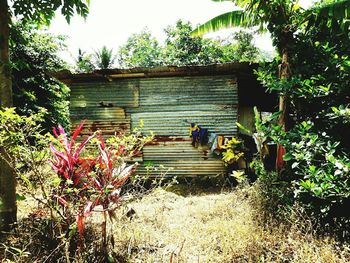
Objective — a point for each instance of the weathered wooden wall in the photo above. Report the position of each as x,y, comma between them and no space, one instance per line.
167,106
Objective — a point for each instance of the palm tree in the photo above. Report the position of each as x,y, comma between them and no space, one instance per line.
104,58
282,19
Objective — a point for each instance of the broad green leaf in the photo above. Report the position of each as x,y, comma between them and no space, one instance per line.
236,18
288,157
20,197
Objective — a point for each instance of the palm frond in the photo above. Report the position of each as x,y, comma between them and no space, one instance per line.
336,13
104,58
236,18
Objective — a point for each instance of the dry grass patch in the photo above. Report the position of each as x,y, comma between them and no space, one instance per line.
222,227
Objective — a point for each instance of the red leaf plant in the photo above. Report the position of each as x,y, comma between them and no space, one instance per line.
87,182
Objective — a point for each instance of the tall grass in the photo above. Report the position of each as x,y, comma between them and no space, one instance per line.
222,227
163,226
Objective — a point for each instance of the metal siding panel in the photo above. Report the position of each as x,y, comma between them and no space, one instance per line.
167,106
188,91
123,93
172,108
96,113
171,150
108,120
170,123
182,169
182,158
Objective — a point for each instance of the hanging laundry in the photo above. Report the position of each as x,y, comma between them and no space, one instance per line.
281,151
203,136
212,142
220,142
194,134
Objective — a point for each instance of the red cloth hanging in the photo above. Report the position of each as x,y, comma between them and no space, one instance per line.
281,151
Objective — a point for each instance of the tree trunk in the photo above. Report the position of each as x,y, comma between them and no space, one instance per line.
8,207
284,73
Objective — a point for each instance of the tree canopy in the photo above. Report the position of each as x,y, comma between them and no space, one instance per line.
314,45
280,18
140,50
180,48
43,11
33,57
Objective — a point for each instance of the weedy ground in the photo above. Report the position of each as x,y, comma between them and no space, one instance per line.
183,225
217,227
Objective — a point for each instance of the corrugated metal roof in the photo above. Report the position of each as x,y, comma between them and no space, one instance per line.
166,71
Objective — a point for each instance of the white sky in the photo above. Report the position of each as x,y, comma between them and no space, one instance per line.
111,22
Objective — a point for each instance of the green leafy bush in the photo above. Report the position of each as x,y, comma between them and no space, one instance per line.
316,141
34,55
320,167
25,147
85,175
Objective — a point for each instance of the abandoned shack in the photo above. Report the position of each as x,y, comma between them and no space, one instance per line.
168,100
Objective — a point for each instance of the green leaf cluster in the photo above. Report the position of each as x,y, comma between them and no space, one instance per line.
34,56
140,50
43,11
316,140
315,45
24,145
181,48
104,58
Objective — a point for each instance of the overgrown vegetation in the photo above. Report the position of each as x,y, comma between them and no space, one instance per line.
180,48
140,50
104,58
84,63
316,145
311,75
81,180
34,56
219,226
286,216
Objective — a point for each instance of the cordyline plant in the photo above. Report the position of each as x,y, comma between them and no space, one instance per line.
87,182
